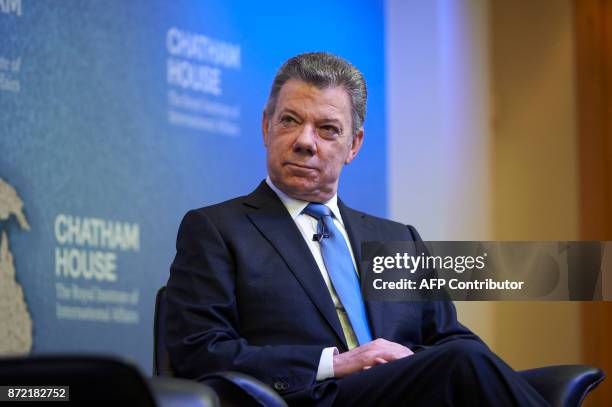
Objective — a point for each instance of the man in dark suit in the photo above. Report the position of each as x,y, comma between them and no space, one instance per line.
267,284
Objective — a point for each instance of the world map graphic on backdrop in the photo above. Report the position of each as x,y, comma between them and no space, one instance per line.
15,321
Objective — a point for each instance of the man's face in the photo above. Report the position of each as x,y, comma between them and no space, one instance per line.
309,140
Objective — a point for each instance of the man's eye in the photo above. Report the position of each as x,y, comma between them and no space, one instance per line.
330,131
287,119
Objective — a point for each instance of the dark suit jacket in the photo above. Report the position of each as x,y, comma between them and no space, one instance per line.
245,294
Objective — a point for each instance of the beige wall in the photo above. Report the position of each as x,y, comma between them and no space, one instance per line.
482,145
438,111
535,169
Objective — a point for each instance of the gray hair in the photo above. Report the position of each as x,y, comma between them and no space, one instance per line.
323,70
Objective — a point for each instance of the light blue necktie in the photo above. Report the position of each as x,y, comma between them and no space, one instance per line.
337,259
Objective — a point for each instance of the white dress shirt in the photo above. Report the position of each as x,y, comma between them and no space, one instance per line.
308,227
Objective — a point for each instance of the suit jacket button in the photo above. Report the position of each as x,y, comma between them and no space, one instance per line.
278,386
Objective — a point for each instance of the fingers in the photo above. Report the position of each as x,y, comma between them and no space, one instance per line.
377,361
387,350
363,357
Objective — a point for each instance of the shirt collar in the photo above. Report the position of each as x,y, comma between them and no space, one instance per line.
296,206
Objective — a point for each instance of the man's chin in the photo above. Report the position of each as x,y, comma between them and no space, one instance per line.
306,191
300,189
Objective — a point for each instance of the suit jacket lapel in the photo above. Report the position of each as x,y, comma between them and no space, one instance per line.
359,230
274,222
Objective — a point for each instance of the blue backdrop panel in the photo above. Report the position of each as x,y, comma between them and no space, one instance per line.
118,117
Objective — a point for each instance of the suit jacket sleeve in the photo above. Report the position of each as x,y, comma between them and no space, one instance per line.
203,325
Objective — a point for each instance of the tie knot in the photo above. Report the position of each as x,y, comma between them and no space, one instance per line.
317,210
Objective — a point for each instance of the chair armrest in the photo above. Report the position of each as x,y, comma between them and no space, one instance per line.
566,385
239,389
171,392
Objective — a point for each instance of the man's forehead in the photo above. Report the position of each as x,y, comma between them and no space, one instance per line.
296,95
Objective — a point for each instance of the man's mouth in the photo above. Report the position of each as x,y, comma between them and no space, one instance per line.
300,166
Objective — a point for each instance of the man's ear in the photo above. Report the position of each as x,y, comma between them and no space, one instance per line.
355,146
264,127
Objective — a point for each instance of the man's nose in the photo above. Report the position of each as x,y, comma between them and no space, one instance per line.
306,140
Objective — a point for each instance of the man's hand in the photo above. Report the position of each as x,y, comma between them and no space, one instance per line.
364,357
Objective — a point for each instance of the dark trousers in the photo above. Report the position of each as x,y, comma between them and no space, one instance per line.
461,372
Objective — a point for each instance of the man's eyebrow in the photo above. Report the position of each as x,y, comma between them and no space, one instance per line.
330,121
291,111
326,120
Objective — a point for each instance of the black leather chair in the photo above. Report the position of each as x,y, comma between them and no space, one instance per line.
562,386
101,379
173,392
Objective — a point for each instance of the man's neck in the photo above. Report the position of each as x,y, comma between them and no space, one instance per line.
296,206
286,197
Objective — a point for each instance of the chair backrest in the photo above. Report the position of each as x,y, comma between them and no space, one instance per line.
89,378
161,360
